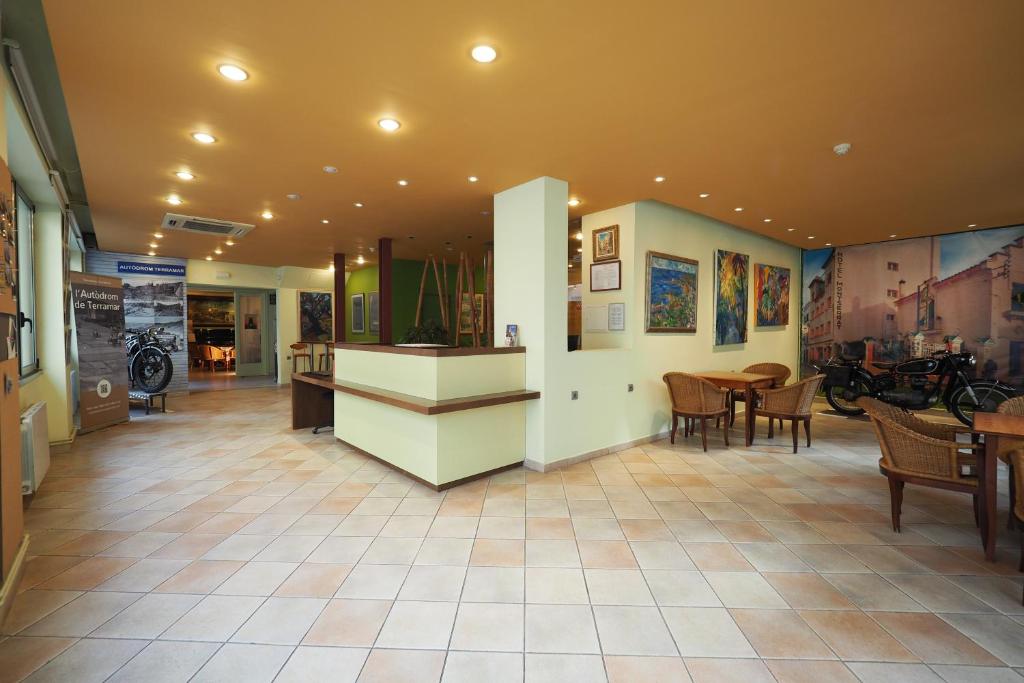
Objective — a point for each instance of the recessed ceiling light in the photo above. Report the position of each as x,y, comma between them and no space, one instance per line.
485,54
330,169
230,243
892,235
738,208
324,221
185,175
790,229
472,179
579,250
659,178
153,245
574,202
767,220
294,196
360,260
390,125
209,258
403,183
232,72
358,205
204,138
704,195
810,237
218,250
973,225
579,236
152,253
158,235
173,200
485,213
330,268
828,244
570,265
266,215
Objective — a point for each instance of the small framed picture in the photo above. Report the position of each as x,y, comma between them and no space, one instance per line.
605,277
358,314
511,335
606,243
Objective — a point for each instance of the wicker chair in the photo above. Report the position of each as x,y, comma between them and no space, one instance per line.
777,370
694,398
911,456
789,403
1017,510
1013,406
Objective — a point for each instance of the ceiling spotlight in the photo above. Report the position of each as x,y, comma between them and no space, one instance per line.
810,237
294,196
390,125
828,244
266,215
360,260
579,236
704,195
767,220
153,245
485,213
230,243
174,200
842,149
403,183
324,221
158,235
892,235
579,250
330,169
209,258
738,208
152,253
574,202
570,265
659,179
185,175
472,179
790,229
204,138
330,268
973,225
232,72
358,205
485,54
218,251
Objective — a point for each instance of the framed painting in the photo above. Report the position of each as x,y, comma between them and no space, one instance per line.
316,317
731,293
358,314
671,294
606,243
466,316
374,311
771,295
605,277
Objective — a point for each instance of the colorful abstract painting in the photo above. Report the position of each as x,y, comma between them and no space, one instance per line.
731,286
671,293
316,317
771,295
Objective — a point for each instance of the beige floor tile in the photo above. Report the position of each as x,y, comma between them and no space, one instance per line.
280,621
494,584
402,666
88,574
728,671
744,589
239,547
998,634
391,550
808,591
617,587
148,617
634,669
444,551
20,656
771,557
144,575
349,623
871,592
706,632
360,525
373,582
429,583
717,557
31,606
869,672
681,589
645,530
933,640
419,625
829,559
553,585
453,527
605,554
802,671
189,546
547,668
552,553
339,665
243,662
493,667
201,576
164,662
567,629
215,618
89,660
82,615
853,635
778,634
257,578
488,627
938,594
314,580
627,630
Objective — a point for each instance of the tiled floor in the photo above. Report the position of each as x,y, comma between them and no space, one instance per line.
214,543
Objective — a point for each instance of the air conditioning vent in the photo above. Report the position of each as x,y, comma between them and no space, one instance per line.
206,226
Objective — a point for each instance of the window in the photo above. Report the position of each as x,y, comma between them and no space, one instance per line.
892,293
1017,297
894,267
24,236
890,316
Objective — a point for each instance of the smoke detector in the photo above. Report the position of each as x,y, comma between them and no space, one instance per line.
842,149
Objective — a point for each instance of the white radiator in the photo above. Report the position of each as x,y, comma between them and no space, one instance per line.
35,448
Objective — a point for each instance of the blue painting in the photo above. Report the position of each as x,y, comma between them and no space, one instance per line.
671,293
731,287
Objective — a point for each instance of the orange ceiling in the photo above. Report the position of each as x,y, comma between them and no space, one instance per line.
743,99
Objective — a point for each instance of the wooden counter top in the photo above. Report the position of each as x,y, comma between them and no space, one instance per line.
423,406
436,352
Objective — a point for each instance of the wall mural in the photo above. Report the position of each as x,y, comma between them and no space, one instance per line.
731,273
671,293
771,295
908,298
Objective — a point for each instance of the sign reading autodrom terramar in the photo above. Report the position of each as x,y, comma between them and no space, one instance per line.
102,369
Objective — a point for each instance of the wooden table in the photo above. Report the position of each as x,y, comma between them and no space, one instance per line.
745,382
994,426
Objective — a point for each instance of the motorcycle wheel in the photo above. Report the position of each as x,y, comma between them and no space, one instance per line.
963,406
152,370
842,398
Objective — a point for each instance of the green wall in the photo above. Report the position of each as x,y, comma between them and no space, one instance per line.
405,288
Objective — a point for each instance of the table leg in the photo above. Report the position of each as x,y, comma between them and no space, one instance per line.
987,467
748,396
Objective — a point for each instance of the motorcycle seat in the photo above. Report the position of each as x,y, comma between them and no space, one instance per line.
884,364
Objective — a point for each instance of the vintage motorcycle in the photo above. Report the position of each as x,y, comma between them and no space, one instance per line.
149,362
915,384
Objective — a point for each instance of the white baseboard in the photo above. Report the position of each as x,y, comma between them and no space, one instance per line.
538,466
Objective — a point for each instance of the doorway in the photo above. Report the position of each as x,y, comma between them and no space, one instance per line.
230,337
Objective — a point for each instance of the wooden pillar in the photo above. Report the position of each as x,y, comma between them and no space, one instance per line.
339,297
384,288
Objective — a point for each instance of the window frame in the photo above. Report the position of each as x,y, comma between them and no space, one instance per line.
20,196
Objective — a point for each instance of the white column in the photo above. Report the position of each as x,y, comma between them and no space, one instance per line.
530,280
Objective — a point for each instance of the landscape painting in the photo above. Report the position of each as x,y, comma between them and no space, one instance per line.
731,288
671,293
316,317
771,295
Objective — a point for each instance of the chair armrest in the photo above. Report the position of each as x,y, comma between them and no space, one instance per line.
781,400
917,453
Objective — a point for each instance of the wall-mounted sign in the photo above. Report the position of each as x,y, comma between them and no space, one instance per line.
137,268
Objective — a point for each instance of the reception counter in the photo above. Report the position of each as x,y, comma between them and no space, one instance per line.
442,415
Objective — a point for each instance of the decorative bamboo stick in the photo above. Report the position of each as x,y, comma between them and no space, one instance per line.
419,302
472,301
456,338
440,301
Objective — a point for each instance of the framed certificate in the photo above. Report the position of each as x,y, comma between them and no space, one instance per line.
605,277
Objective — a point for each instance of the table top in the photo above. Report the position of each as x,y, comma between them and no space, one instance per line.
998,424
736,378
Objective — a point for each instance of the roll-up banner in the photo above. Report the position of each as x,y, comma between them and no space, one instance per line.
102,369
